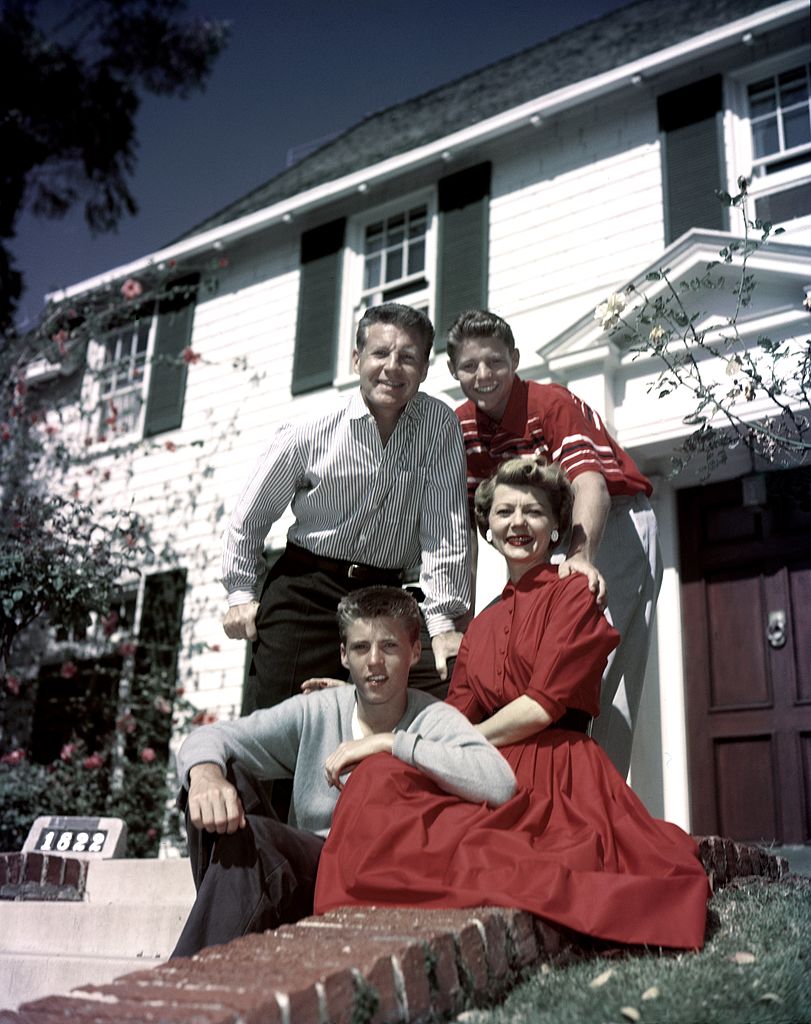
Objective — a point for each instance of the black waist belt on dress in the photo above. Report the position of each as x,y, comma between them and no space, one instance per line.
301,558
574,719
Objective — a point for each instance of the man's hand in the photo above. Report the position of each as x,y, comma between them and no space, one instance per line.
320,683
214,804
445,646
352,752
240,621
577,563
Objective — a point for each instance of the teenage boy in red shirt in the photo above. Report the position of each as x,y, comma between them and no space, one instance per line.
614,537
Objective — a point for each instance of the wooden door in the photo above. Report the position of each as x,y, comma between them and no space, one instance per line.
746,605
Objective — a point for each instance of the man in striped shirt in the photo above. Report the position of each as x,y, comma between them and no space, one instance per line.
377,491
614,538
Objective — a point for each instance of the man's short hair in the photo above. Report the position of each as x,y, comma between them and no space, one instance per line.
527,472
379,603
478,323
405,317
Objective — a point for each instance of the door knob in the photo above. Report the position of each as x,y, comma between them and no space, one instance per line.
776,629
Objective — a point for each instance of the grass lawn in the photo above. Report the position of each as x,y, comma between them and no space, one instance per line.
755,968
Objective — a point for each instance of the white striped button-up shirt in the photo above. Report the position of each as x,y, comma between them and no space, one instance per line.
396,506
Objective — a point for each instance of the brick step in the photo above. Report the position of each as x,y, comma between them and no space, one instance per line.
372,964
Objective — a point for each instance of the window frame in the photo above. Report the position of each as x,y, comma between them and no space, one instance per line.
352,304
134,329
98,436
742,159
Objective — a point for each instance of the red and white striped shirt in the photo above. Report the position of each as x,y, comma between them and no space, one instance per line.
548,420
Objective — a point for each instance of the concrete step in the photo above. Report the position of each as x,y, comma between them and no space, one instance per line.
27,976
130,918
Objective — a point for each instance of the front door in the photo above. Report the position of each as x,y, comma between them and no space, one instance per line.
746,605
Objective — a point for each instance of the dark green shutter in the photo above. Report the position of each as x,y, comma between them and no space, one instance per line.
691,123
167,383
318,307
464,216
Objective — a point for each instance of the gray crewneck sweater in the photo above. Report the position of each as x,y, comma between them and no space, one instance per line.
294,739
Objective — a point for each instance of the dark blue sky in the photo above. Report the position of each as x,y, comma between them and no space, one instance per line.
295,71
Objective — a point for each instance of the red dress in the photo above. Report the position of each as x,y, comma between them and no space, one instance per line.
575,845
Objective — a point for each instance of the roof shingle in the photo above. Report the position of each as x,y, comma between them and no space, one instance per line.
618,38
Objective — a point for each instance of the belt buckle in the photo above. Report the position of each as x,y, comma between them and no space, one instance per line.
354,571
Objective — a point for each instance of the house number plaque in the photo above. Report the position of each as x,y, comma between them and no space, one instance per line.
73,836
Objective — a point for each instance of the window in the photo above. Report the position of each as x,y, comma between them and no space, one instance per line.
780,119
770,141
121,378
111,662
428,250
394,256
139,365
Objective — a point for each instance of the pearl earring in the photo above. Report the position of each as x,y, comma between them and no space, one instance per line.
488,535
555,536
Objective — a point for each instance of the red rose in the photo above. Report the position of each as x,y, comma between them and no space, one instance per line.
68,669
131,289
93,762
148,755
190,356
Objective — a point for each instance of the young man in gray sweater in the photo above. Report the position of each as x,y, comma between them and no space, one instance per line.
253,872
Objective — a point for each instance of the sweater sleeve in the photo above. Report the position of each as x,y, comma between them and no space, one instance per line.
443,744
265,743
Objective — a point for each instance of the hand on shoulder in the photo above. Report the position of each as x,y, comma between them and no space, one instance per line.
596,583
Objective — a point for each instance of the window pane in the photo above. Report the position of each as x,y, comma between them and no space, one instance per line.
796,127
394,265
142,339
374,238
371,278
416,257
396,232
417,222
793,87
761,98
765,138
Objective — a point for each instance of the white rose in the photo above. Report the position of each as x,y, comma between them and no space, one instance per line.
608,312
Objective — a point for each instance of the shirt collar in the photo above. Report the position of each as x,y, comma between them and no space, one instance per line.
514,420
357,409
536,576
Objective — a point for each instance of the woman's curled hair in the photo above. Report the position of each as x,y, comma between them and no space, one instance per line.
527,472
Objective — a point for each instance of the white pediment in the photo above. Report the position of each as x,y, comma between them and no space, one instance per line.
782,272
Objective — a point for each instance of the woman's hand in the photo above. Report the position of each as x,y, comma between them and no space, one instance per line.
352,752
320,683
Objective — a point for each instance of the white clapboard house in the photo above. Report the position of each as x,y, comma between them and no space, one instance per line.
535,187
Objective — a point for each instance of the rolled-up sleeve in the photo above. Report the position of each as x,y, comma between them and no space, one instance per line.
264,499
445,572
454,754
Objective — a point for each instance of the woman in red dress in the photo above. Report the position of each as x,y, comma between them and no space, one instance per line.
575,845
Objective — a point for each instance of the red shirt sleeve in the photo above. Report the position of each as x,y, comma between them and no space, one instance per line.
579,441
571,654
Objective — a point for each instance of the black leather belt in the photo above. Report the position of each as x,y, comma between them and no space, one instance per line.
574,719
305,560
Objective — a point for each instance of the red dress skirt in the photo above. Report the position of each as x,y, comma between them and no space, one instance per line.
575,845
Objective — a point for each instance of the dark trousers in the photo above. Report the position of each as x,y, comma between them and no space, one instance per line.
298,637
258,878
